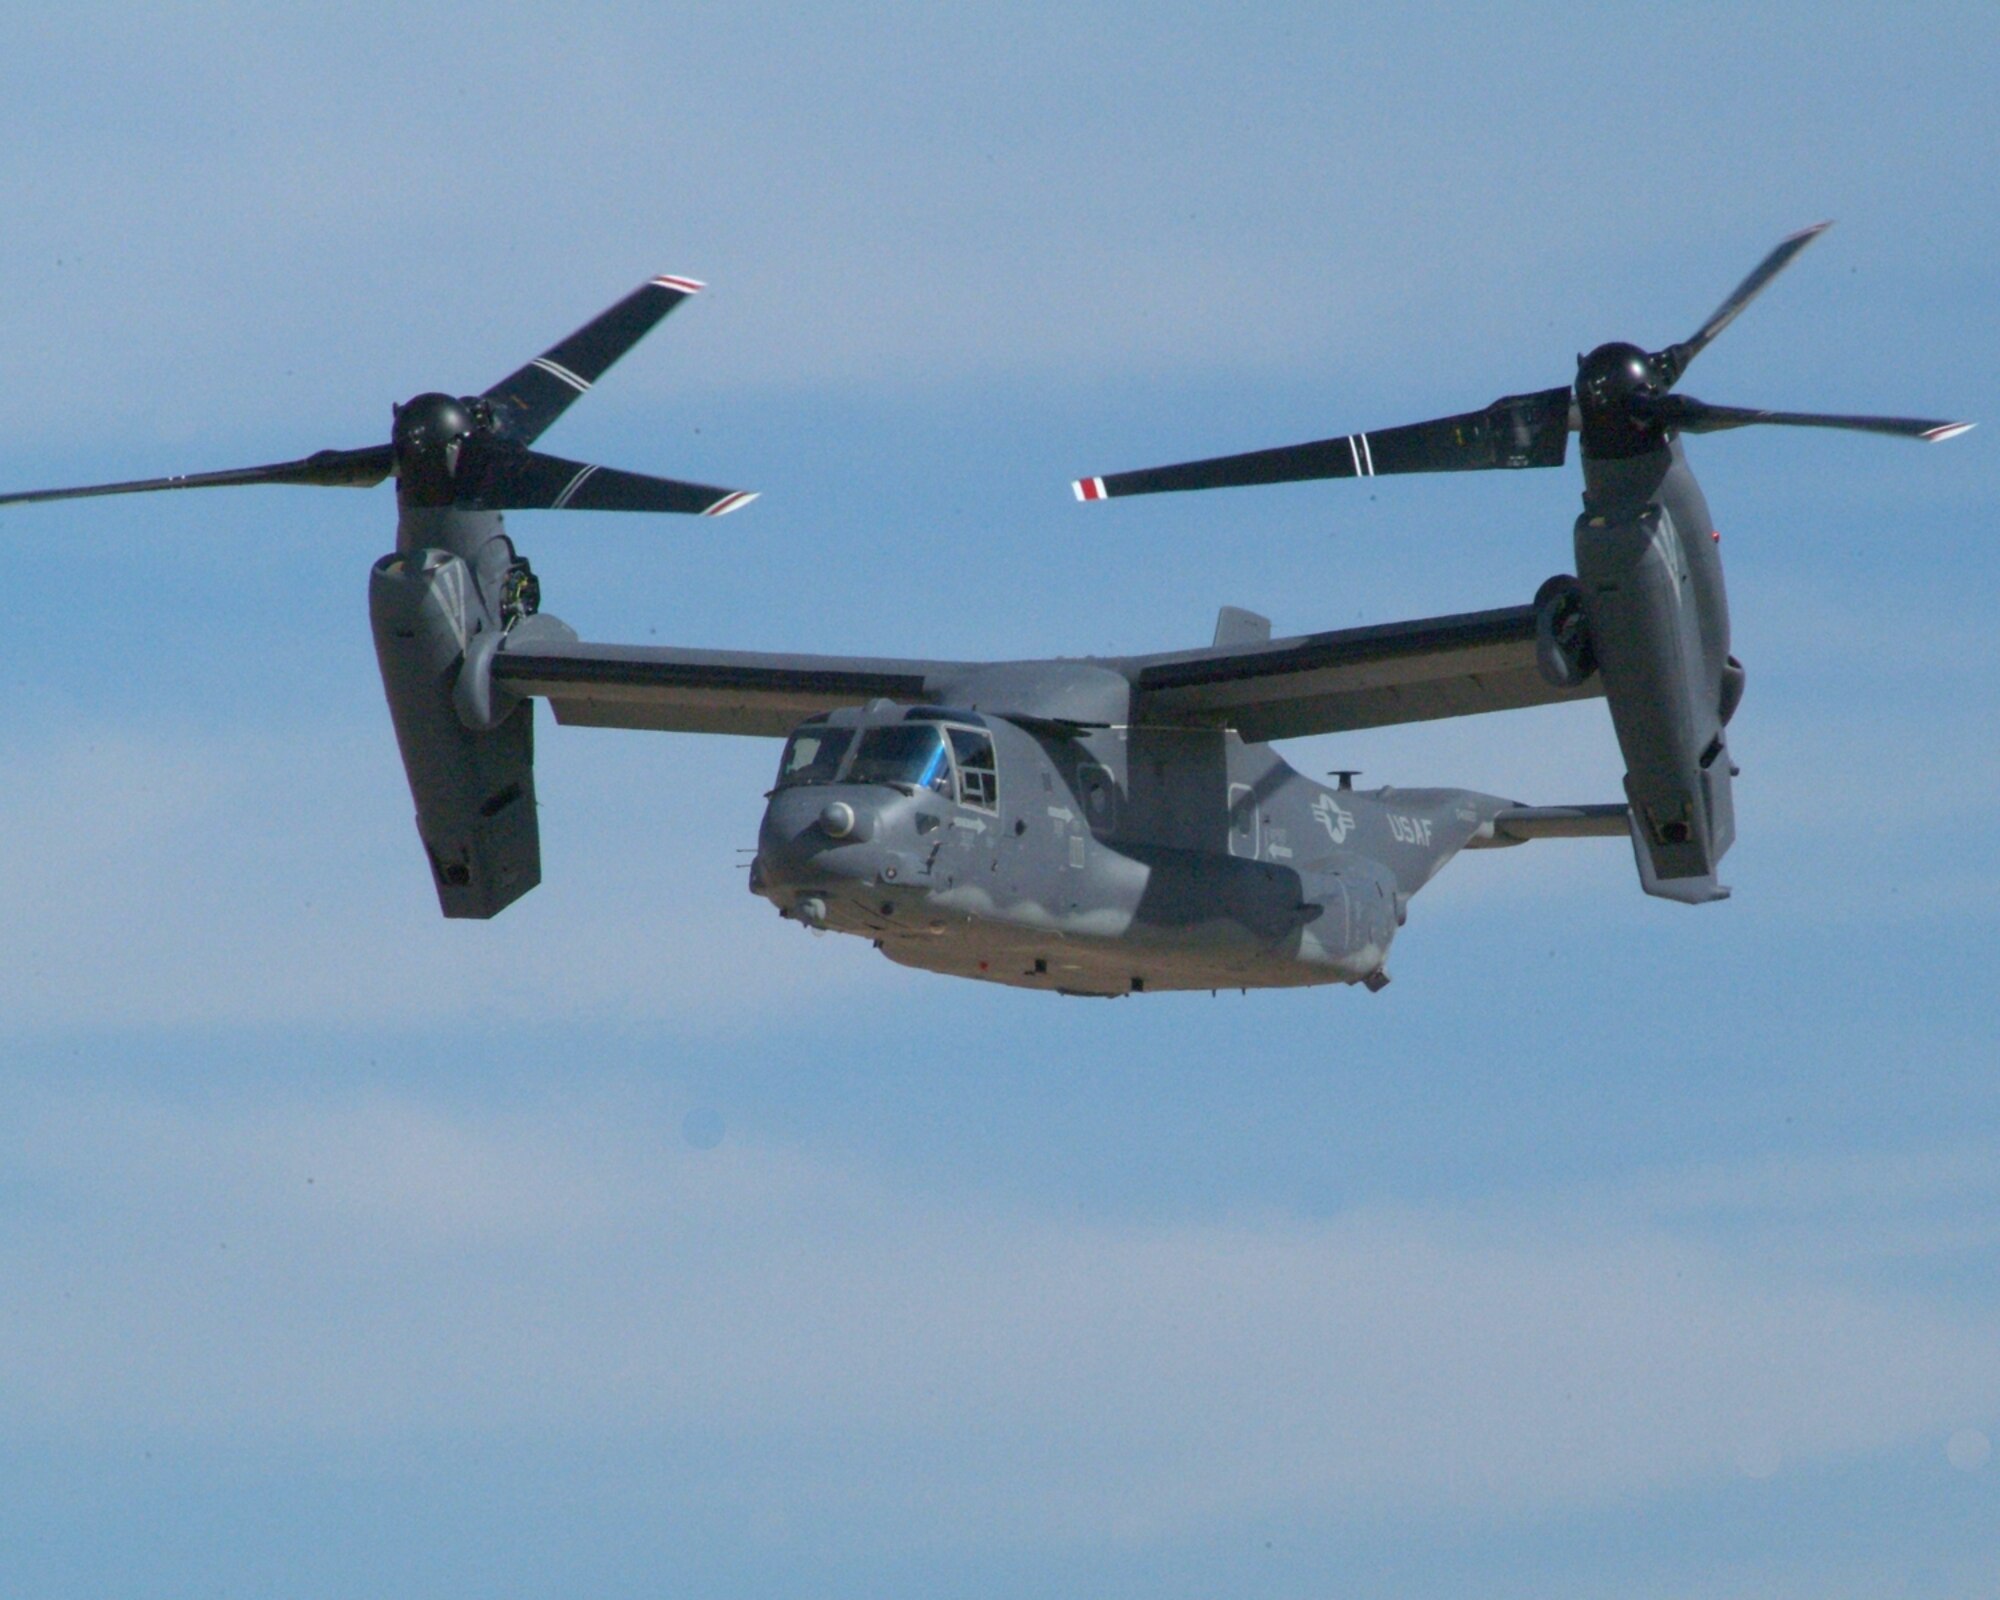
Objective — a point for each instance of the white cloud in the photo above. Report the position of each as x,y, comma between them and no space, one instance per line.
166,877
380,1268
871,206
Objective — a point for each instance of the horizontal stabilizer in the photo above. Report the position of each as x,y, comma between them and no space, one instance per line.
1519,824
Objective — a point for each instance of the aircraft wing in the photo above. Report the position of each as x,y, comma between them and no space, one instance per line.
704,691
1352,678
1276,689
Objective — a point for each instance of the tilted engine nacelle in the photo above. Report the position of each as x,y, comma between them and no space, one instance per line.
1665,676
474,786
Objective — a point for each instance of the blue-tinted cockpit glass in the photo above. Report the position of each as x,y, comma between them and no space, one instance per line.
909,753
812,755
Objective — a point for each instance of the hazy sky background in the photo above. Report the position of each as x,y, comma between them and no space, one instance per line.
1617,1249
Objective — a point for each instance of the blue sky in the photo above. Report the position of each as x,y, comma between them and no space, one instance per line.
1617,1249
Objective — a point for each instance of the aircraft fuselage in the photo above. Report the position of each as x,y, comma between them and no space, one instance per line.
1102,860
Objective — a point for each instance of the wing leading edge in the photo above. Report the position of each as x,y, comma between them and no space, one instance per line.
1351,678
1457,666
703,691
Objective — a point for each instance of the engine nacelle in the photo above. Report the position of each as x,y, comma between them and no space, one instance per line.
474,787
1662,682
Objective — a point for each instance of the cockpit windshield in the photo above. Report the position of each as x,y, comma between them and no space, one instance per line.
812,755
910,753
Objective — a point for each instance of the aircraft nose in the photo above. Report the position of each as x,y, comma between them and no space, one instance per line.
814,837
839,820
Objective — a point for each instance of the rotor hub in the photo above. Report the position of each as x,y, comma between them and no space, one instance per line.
429,437
1615,387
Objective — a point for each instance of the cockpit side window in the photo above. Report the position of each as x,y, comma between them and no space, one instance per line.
812,755
908,753
978,780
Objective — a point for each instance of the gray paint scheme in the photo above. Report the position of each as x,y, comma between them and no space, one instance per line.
1645,617
1116,860
1137,831
1282,688
1141,834
1653,598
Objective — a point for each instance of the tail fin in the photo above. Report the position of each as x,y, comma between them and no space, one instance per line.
1695,891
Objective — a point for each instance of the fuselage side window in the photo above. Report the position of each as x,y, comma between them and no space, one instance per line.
978,778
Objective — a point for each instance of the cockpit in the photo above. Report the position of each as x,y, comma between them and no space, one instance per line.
814,755
946,753
913,754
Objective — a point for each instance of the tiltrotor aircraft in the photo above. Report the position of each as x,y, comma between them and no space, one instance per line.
1094,826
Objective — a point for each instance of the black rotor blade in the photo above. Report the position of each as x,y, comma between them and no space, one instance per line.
1518,430
527,480
527,401
1697,416
329,469
1676,357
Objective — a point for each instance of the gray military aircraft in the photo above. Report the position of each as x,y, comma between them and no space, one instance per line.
1092,826
1645,618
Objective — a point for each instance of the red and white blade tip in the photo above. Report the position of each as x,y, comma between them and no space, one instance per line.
1948,430
736,500
667,280
1089,489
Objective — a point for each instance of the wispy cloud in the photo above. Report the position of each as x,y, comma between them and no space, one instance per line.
168,877
380,1268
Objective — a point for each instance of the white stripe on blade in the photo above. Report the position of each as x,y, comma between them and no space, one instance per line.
570,489
556,369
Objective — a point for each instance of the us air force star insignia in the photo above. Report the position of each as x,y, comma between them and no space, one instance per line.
1337,822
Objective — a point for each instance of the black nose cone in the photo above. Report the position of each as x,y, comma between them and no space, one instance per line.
430,432
1615,385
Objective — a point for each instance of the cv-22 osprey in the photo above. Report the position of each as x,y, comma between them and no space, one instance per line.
1094,826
